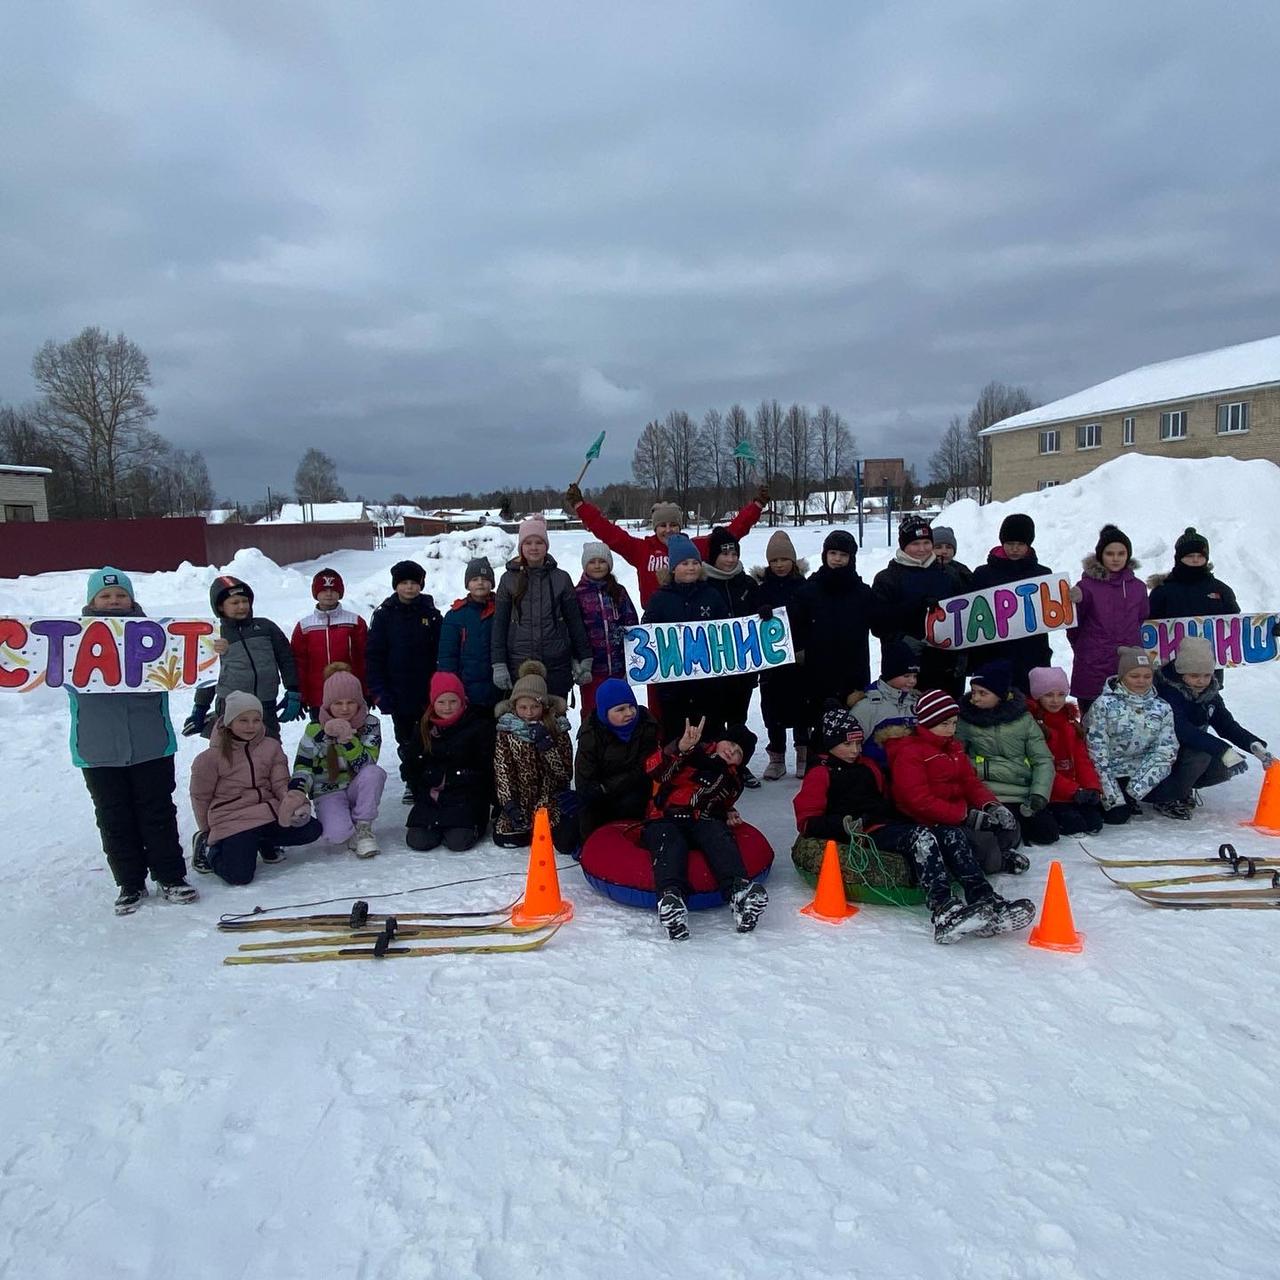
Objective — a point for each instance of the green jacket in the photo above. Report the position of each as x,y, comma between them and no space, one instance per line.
1008,749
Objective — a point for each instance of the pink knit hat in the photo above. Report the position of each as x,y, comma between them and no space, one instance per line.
531,527
341,686
1047,680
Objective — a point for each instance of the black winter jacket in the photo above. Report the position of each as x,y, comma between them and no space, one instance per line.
686,602
1186,592
1027,652
904,594
782,697
459,769
836,610
400,656
608,769
1194,714
545,623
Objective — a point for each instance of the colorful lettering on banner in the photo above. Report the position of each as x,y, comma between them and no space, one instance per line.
661,652
104,655
1238,639
1033,607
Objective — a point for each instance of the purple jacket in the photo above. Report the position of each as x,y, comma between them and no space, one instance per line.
1111,612
606,622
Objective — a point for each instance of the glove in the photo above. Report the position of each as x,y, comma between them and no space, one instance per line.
339,730
1000,816
852,826
762,495
501,676
1076,595
1233,762
290,707
581,670
195,721
573,496
1259,749
542,740
516,820
1033,804
978,820
765,614
295,809
1085,796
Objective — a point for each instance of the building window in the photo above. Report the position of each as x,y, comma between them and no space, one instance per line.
1047,484
19,513
1050,441
1173,426
1233,418
1129,430
1089,437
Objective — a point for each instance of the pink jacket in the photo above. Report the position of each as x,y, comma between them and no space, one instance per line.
240,791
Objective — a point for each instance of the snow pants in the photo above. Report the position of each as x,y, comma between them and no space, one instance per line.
1038,828
235,859
1191,769
1077,819
940,855
404,724
628,803
455,839
669,841
339,811
133,805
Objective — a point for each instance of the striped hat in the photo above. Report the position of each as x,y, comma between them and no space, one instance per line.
934,707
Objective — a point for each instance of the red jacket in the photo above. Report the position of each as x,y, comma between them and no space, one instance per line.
322,637
932,780
1073,769
691,784
649,554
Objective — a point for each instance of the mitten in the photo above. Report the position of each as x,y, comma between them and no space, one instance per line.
501,676
1033,804
1233,762
1086,796
762,495
1000,816
289,707
581,670
516,819
195,721
295,809
1076,595
765,613
542,740
1259,749
573,496
978,820
339,730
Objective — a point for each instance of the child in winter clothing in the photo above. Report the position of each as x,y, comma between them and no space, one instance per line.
614,744
1131,737
607,611
1008,750
452,776
944,547
329,633
337,764
533,764
892,699
1110,612
933,783
1189,589
255,658
404,643
782,698
466,637
538,616
240,796
845,792
123,744
1204,759
1076,799
696,785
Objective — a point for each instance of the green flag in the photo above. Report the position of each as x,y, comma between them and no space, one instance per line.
594,452
745,453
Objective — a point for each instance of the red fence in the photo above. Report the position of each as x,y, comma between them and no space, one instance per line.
149,546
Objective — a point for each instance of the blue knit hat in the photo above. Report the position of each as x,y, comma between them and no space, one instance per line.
615,693
107,577
680,549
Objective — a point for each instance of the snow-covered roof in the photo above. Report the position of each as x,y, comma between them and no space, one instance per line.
219,515
13,469
318,512
462,515
1251,364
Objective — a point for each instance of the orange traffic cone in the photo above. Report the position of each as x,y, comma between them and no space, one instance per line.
542,902
829,903
1266,817
1055,930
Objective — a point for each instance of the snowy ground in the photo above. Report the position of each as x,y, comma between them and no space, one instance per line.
803,1102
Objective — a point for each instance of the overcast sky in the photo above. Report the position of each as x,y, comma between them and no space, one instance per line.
447,243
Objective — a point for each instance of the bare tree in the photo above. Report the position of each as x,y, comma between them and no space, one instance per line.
716,450
799,460
737,426
316,479
651,463
996,401
682,452
768,432
951,463
95,405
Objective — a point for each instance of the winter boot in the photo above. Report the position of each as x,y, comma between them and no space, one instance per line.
1005,916
366,843
271,855
749,779
200,853
129,900
1015,863
954,921
776,768
1177,809
180,892
749,901
802,761
406,796
673,916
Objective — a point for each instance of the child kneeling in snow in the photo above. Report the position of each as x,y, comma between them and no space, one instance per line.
337,764
240,796
1076,799
1131,737
1189,686
697,785
846,792
533,764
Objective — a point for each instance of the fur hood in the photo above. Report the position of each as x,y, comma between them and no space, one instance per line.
799,569
1014,707
1093,567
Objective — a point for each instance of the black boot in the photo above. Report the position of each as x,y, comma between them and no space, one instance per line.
673,916
749,901
129,900
954,920
1005,916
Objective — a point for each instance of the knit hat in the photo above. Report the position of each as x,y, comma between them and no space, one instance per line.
1109,534
615,693
1044,680
224,587
740,734
941,533
408,571
596,551
1018,528
913,528
478,568
1195,657
720,540
531,527
680,549
327,580
341,685
1190,543
531,681
780,546
838,725
99,579
443,682
236,703
1130,657
897,658
996,677
665,513
934,707
839,540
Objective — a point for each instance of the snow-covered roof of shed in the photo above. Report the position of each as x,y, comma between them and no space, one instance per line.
13,469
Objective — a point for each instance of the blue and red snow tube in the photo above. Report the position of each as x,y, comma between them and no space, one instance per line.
616,863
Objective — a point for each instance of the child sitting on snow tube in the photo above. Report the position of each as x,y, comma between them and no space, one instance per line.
615,741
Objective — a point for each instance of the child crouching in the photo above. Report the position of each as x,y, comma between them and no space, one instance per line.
337,764
697,785
240,796
1076,799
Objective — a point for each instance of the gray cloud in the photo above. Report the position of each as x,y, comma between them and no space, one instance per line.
448,244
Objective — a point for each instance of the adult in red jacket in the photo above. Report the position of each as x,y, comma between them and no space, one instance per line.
648,555
329,633
1076,798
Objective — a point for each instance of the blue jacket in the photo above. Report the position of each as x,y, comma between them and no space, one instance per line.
466,639
1194,714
